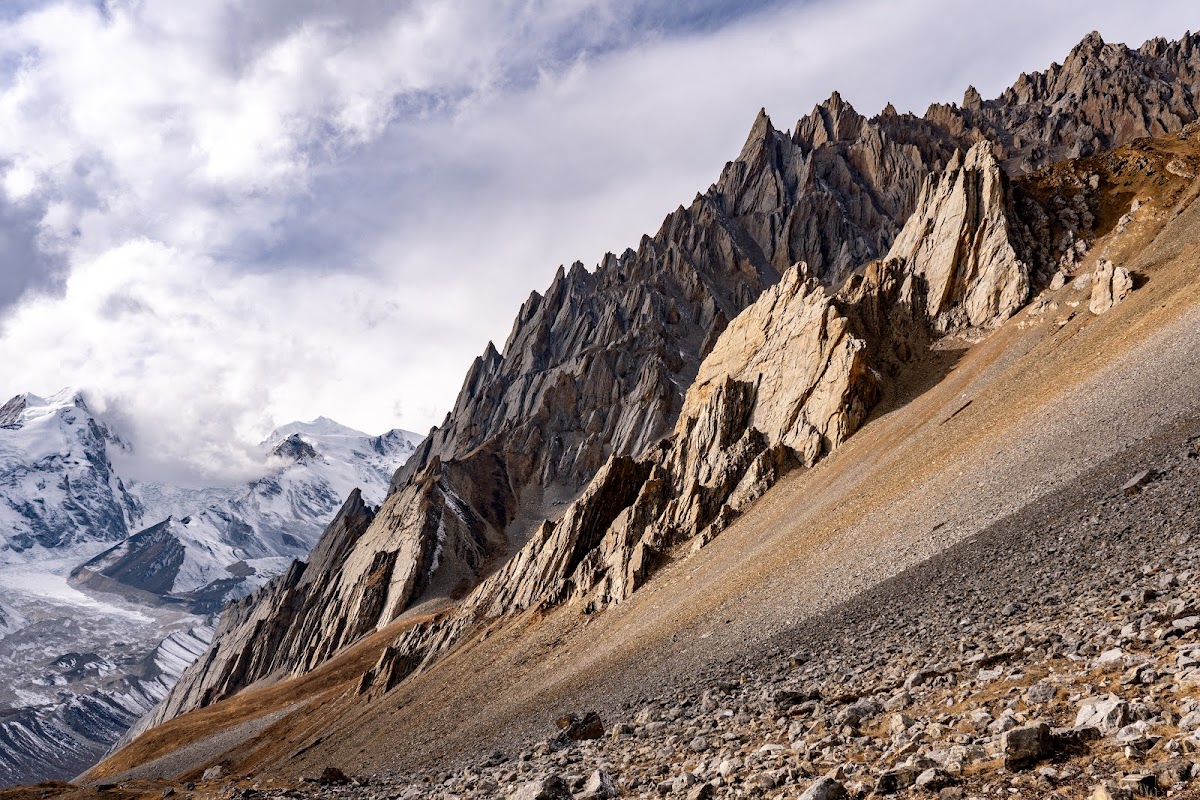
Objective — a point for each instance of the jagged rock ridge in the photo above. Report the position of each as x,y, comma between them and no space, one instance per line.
598,366
532,423
789,380
1101,96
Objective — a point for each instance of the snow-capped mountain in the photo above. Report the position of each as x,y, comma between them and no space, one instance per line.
60,492
106,583
58,487
206,547
60,740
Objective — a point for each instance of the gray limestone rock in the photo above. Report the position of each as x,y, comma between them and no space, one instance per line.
1110,285
1108,713
825,789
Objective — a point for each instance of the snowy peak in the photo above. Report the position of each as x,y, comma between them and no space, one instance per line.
327,438
27,407
294,448
319,428
57,484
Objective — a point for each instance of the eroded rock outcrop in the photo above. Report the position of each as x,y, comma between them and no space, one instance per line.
959,243
1101,96
785,383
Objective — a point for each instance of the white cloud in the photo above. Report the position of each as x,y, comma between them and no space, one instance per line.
274,211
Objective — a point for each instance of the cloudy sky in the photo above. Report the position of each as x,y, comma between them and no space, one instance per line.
224,215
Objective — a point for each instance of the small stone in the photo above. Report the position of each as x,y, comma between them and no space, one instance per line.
1135,484
825,789
622,729
214,773
550,788
1107,791
704,791
684,782
599,786
786,698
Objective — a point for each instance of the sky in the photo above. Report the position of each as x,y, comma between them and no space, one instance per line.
218,217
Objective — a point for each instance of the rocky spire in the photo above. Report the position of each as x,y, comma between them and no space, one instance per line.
958,243
834,120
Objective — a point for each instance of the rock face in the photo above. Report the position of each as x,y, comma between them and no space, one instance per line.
1110,285
597,367
555,450
958,241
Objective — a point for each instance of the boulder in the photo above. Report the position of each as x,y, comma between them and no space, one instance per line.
1110,285
934,780
1025,746
332,776
549,788
214,773
825,789
599,786
1108,713
577,728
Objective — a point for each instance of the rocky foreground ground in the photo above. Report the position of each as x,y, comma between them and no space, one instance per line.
1057,654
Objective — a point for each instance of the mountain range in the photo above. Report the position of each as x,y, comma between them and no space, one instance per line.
107,582
871,472
616,426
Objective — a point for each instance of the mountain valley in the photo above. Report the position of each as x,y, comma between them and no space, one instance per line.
135,604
